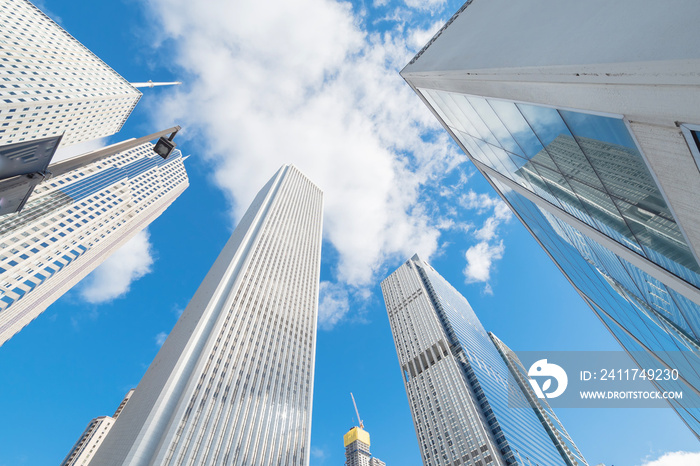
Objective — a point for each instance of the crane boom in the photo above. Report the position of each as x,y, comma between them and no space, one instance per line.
356,411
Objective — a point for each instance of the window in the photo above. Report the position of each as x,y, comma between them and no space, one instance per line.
692,137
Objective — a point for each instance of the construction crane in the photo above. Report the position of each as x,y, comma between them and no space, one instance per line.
362,426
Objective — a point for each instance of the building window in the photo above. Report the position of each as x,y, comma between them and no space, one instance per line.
692,136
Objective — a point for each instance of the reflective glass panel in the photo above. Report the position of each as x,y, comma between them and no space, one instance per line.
588,165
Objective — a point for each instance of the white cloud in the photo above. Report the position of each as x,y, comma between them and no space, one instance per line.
333,304
677,458
480,258
113,278
160,339
430,5
318,453
266,84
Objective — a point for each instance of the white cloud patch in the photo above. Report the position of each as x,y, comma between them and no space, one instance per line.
430,5
480,259
333,304
160,339
266,84
677,458
318,453
113,278
490,248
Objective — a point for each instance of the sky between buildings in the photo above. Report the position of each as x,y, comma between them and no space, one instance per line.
314,83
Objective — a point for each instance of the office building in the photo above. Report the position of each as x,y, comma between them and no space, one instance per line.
84,449
357,453
52,85
233,382
74,222
462,393
584,117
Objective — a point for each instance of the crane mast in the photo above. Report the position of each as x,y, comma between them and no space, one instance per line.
356,411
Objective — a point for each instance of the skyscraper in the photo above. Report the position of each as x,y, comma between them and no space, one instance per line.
233,382
73,222
458,383
356,442
51,84
591,137
92,437
357,453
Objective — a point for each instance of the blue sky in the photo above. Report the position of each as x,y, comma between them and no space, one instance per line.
314,83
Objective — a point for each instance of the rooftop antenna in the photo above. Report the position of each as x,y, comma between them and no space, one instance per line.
362,426
152,84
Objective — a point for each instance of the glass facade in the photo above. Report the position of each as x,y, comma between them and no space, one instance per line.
458,384
589,167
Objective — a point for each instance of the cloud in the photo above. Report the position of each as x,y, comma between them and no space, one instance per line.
333,304
160,339
480,258
113,278
430,5
677,458
266,84
490,247
318,453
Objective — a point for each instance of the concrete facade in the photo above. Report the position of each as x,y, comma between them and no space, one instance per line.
233,382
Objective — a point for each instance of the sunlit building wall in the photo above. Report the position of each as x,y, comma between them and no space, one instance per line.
74,222
584,116
233,382
51,84
464,398
357,453
85,448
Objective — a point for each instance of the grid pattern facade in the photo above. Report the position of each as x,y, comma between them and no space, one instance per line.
592,146
50,84
357,454
456,381
587,168
85,448
233,382
73,222
551,423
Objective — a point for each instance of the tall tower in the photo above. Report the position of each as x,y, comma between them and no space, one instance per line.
457,382
233,382
594,143
52,84
356,442
74,222
84,449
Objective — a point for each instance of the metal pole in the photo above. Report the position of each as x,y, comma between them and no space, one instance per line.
152,84
65,166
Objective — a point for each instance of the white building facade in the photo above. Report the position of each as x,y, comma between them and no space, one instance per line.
51,85
233,382
458,384
74,222
584,117
85,448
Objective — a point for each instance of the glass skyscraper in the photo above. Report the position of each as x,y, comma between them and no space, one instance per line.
462,383
233,382
591,138
74,222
